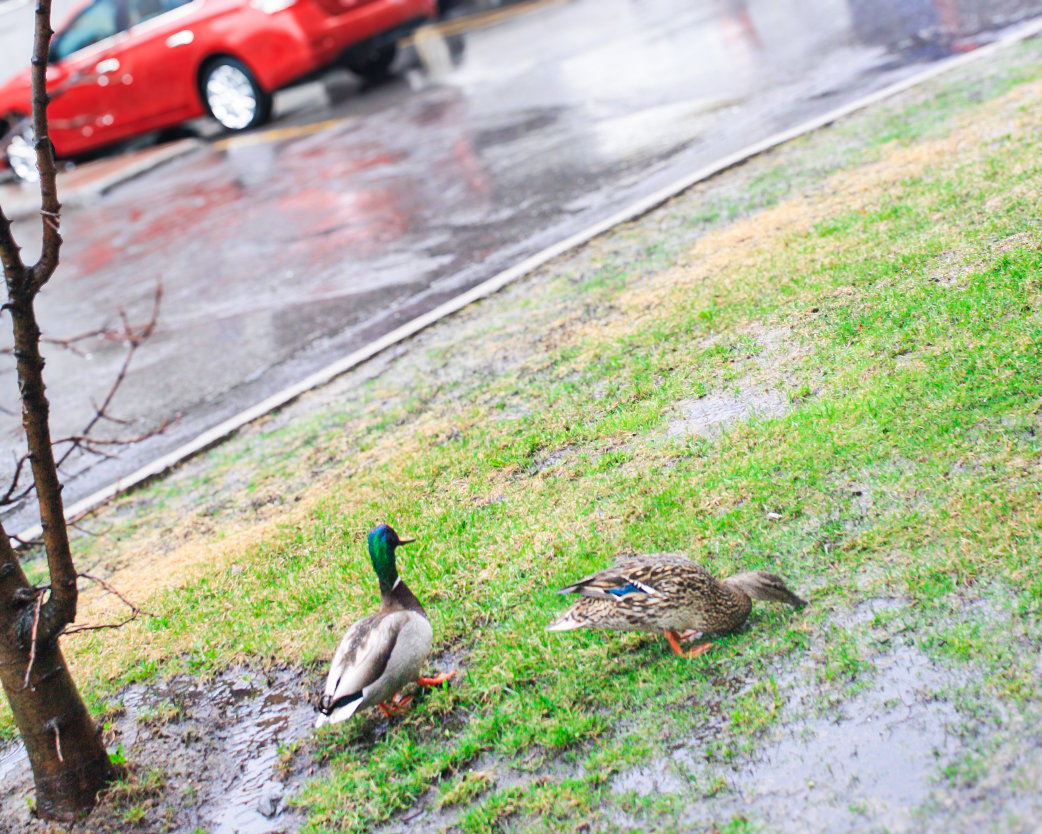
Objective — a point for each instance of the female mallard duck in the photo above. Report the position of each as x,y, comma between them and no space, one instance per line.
382,653
671,595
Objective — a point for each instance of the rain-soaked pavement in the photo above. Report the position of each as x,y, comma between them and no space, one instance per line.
283,250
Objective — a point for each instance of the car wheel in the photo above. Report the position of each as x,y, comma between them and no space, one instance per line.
371,63
233,96
21,155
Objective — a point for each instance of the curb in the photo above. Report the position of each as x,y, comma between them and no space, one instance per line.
89,192
520,270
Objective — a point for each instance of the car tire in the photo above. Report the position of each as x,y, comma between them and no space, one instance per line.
369,62
233,96
20,153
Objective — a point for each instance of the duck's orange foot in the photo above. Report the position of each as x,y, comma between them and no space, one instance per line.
694,651
437,680
397,706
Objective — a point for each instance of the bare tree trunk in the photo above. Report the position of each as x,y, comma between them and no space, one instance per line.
63,743
69,761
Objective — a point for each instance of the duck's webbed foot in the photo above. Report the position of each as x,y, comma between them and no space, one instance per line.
437,680
399,703
679,651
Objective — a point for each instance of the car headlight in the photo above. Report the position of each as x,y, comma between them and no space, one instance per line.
272,6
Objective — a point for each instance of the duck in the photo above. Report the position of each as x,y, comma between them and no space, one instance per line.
383,653
668,594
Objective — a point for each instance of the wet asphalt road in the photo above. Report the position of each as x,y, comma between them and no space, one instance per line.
283,250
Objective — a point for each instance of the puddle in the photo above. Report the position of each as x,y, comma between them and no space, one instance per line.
218,745
867,610
256,717
709,415
662,777
872,766
12,759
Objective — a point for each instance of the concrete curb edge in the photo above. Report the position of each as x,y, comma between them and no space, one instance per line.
87,194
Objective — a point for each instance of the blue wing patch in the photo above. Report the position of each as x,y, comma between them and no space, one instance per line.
625,590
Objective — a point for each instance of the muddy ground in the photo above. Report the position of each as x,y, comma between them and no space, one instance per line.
216,756
226,755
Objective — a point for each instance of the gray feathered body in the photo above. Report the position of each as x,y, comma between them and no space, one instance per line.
378,657
666,592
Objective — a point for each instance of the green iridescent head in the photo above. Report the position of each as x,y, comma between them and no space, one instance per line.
382,542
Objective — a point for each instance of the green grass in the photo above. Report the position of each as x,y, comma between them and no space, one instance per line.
904,326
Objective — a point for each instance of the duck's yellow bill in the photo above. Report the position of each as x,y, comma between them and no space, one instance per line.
405,541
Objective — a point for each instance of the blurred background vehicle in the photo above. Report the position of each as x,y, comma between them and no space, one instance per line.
120,68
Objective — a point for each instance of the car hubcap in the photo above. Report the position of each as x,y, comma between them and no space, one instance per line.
22,158
231,97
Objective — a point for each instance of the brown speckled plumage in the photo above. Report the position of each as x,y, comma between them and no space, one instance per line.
669,594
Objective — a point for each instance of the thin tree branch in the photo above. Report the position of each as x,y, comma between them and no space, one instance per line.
84,441
53,725
70,344
135,611
78,629
43,269
10,252
135,338
32,645
7,499
114,592
95,533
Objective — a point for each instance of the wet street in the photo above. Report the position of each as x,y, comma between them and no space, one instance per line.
357,209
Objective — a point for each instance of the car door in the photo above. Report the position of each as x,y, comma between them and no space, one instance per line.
160,58
341,6
85,97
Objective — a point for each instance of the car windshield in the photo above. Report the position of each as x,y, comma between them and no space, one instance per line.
139,11
95,23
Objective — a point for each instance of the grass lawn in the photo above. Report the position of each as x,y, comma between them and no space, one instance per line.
826,363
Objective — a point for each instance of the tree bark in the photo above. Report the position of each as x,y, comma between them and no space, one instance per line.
69,761
64,745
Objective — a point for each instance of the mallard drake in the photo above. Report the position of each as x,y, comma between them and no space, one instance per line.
383,653
671,595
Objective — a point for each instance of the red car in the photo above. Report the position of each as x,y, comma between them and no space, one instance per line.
126,67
